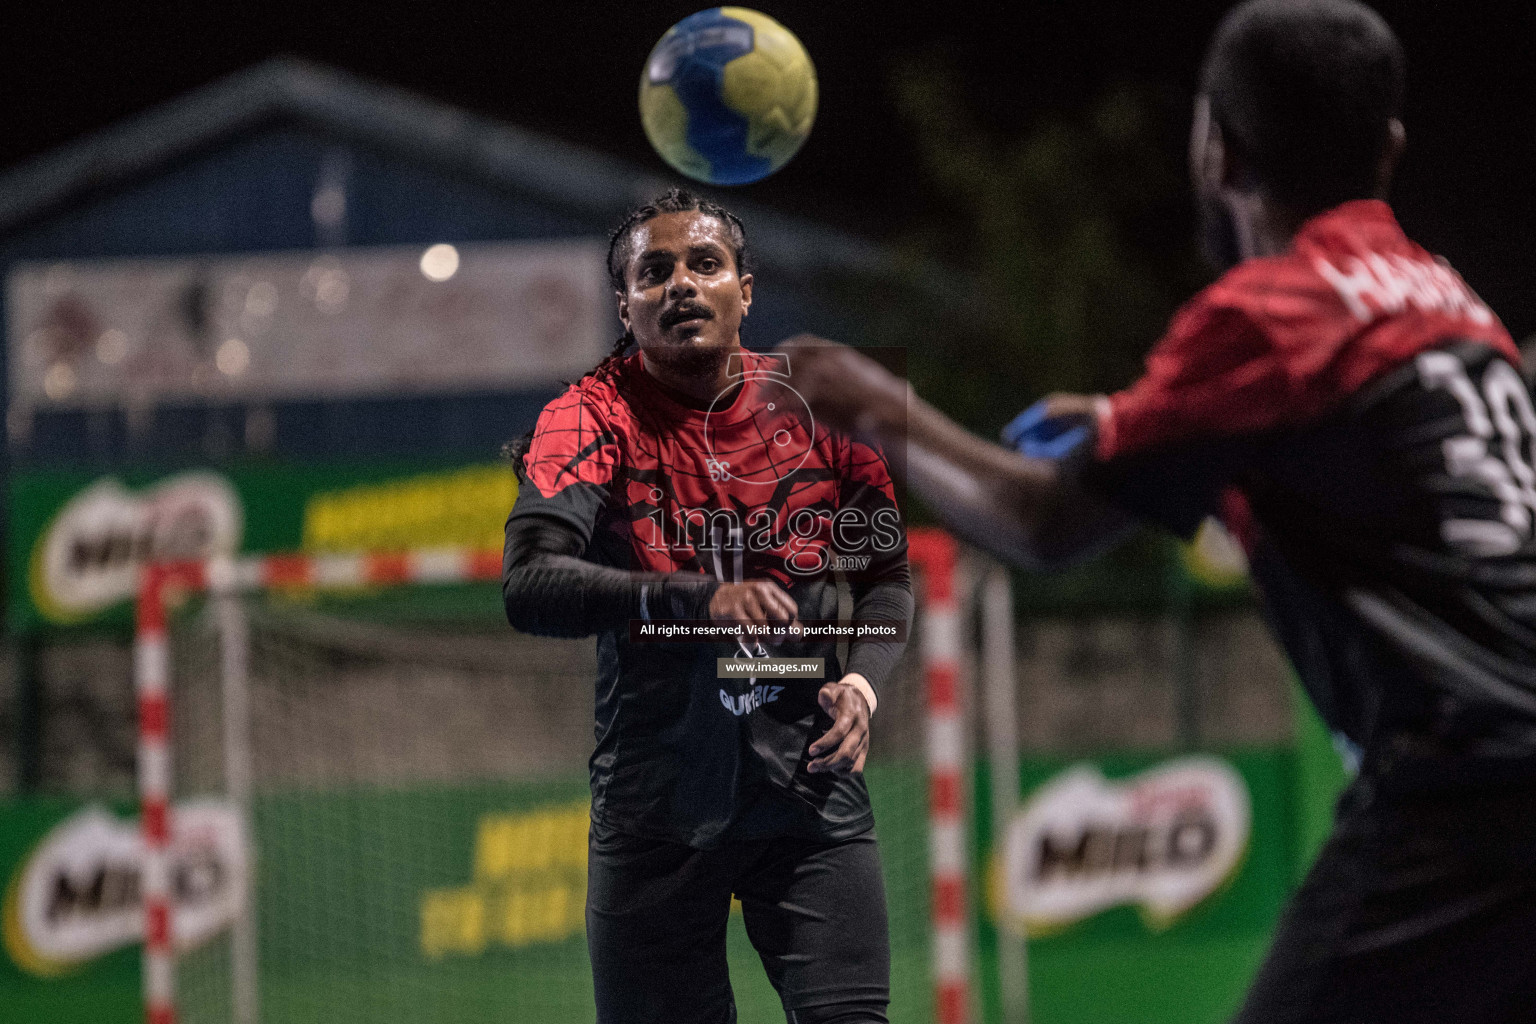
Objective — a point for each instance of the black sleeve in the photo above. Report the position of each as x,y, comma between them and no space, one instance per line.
1174,486
548,589
883,588
888,598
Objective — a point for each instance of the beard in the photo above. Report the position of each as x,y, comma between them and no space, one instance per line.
1218,234
703,362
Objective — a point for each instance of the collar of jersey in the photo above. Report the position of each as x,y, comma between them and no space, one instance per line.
677,406
1341,217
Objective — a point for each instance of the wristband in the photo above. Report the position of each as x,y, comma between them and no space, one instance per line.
861,684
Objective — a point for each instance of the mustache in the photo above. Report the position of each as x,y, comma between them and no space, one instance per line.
685,311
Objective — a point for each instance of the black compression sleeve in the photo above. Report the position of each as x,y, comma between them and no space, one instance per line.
889,597
549,590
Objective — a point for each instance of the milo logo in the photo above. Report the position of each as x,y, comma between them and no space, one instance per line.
78,895
89,557
1163,840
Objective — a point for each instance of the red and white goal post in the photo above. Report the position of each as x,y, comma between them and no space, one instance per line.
366,759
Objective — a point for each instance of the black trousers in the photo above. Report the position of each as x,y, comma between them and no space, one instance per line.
1421,907
656,926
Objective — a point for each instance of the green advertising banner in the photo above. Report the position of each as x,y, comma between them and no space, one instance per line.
1154,882
104,988
463,902
76,540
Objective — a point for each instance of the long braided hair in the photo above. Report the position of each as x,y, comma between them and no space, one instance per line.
675,200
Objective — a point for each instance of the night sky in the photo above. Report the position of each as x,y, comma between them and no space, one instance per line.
571,69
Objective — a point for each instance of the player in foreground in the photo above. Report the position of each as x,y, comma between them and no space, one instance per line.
662,486
1355,415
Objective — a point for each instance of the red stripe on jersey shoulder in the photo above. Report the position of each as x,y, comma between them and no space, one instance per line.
864,464
578,437
1281,340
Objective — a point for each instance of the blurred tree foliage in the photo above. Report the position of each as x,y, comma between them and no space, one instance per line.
1074,241
1052,262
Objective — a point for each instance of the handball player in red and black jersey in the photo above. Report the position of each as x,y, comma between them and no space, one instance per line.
1357,417
666,485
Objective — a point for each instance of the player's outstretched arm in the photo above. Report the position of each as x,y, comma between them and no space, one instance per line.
549,590
1029,511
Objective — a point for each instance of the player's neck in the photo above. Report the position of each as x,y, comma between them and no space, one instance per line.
1264,228
698,386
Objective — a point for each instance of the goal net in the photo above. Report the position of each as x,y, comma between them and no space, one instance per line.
402,794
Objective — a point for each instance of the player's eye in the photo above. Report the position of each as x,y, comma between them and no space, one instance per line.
708,265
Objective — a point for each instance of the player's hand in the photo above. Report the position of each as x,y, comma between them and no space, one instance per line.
845,745
844,388
753,603
1052,428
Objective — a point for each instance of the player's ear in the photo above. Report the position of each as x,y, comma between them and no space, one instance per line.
1391,153
623,310
1209,166
746,294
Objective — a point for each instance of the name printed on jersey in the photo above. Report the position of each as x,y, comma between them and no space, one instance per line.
1380,285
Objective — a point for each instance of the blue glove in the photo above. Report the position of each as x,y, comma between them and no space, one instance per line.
1039,436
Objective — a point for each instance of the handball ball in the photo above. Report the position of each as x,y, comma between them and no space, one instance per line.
727,96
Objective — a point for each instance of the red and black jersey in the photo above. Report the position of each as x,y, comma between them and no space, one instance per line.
748,487
1356,415
662,465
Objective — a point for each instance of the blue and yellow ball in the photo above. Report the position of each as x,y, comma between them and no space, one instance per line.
728,96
